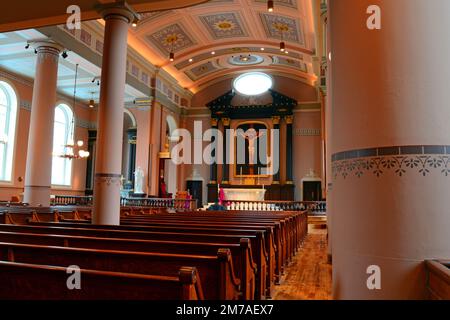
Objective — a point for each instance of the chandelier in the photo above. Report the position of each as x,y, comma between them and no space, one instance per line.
72,151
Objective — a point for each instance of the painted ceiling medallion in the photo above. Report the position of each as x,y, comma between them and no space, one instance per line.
171,38
245,60
281,26
224,25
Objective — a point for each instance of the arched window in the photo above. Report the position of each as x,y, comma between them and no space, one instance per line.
62,136
8,114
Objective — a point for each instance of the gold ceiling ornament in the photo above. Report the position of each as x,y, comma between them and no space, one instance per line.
225,25
281,27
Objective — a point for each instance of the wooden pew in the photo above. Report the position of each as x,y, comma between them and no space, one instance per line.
284,242
438,279
238,229
217,273
21,281
111,239
241,253
212,222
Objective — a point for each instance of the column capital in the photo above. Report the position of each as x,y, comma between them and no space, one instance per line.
118,9
289,119
276,119
226,122
46,46
214,122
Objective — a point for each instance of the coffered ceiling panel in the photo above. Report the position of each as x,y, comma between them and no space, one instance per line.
173,37
224,25
282,27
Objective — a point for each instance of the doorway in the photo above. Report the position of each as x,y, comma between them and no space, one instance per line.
312,190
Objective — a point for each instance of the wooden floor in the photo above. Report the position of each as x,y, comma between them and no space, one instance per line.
309,275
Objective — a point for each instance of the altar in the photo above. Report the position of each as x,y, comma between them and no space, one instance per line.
244,194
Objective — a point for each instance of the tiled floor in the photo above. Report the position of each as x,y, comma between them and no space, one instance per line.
309,275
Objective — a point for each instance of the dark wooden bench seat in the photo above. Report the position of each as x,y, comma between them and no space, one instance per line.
271,241
217,273
21,281
243,264
99,238
263,246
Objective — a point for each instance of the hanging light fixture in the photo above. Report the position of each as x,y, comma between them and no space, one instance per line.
282,44
69,148
172,54
92,102
270,5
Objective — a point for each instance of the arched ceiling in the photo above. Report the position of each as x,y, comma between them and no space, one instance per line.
20,15
228,37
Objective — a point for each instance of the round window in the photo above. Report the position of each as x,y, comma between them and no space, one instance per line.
253,83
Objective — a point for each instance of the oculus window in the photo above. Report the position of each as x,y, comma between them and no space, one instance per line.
253,83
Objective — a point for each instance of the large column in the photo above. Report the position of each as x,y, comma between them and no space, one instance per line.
289,151
226,153
276,126
391,146
213,167
39,155
110,116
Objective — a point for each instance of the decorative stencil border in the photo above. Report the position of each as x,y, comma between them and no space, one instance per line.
421,159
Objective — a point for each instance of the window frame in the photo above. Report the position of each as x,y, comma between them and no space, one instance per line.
12,116
69,133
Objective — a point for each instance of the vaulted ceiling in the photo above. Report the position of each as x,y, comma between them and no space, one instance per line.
19,15
222,38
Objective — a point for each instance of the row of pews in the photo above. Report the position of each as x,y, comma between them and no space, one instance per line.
152,255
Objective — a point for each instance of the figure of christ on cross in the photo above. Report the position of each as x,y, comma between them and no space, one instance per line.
252,136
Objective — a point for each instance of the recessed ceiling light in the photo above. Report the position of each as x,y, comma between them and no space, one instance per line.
190,60
213,52
262,49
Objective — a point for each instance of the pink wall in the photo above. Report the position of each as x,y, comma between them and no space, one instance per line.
307,149
24,91
202,169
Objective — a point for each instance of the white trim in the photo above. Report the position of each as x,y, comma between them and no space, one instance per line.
131,115
16,127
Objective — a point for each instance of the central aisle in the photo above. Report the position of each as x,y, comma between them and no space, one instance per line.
309,275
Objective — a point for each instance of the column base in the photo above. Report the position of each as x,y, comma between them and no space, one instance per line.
37,196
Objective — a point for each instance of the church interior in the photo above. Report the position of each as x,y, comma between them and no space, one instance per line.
224,150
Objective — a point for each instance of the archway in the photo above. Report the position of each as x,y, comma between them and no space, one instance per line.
128,149
171,170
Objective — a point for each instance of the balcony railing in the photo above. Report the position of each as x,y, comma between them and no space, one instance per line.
188,204
314,207
60,200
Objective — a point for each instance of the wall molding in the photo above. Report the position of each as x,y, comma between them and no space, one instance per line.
401,160
307,132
